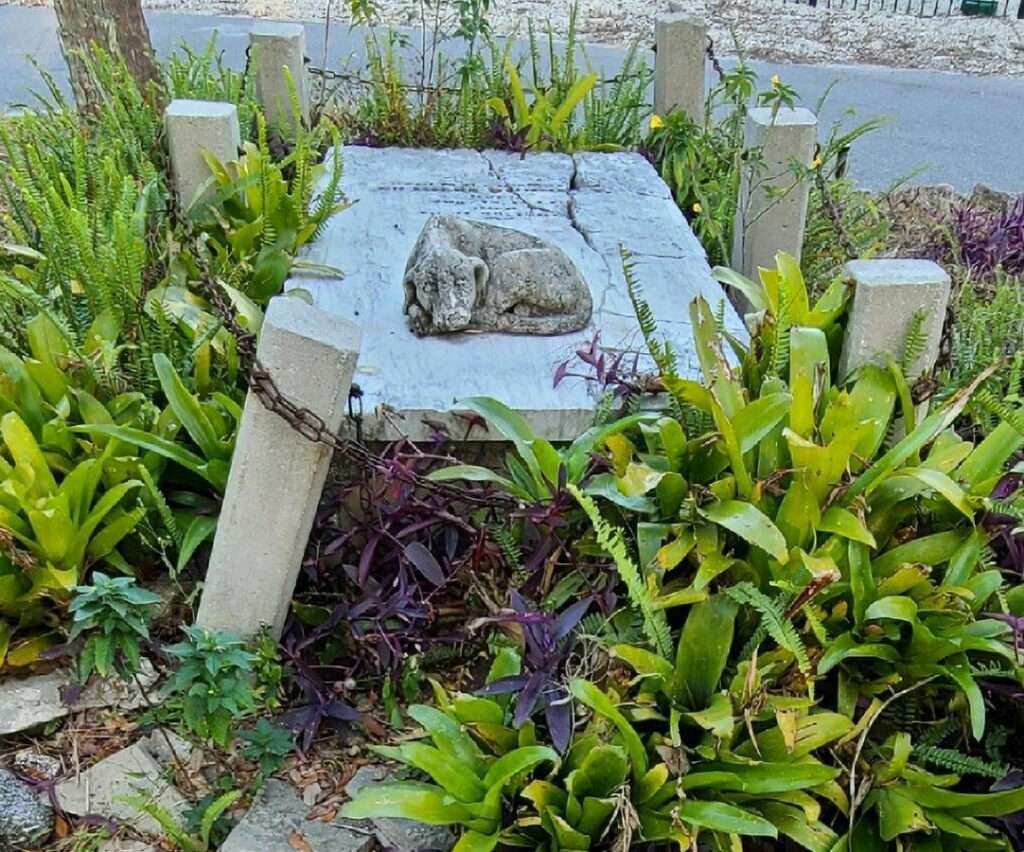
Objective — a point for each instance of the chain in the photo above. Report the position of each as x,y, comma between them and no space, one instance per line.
357,80
715,63
308,423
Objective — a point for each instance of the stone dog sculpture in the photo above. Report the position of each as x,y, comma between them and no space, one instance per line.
472,276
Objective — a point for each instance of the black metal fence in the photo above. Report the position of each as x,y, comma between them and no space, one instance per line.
926,8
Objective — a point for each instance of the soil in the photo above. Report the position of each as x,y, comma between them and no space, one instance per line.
768,29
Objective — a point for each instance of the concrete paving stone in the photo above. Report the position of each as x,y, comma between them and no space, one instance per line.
277,822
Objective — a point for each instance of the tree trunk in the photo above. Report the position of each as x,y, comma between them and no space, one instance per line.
115,25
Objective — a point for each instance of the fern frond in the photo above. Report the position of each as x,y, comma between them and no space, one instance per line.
962,764
661,351
611,541
780,350
775,623
915,342
988,401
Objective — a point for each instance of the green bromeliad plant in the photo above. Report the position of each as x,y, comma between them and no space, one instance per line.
65,504
263,209
805,556
476,759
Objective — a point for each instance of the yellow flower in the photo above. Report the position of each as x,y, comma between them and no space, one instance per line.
816,164
656,122
697,208
776,82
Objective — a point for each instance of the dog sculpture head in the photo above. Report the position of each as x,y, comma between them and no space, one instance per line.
447,285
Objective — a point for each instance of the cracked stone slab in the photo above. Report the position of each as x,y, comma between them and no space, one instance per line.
27,703
628,173
585,204
651,227
277,822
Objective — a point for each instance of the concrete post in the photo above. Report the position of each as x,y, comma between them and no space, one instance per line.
193,127
887,295
276,47
679,64
772,211
277,475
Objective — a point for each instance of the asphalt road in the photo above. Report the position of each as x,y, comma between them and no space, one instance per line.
940,128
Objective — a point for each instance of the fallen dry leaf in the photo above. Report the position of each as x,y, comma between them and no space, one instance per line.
61,827
298,842
310,794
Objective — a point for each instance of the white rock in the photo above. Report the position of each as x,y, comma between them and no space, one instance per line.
131,772
278,816
128,846
36,764
26,703
156,745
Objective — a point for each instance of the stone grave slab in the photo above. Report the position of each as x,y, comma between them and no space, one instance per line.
586,204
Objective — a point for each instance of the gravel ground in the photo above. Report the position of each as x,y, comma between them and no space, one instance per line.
768,29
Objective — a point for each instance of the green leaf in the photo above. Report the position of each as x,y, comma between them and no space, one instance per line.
576,94
895,607
651,783
187,409
215,474
577,456
753,291
960,673
458,778
750,524
448,735
474,841
965,559
813,732
597,701
898,815
269,273
929,550
793,823
862,579
978,805
604,769
808,363
757,420
845,645
767,778
408,800
104,542
201,528
475,473
214,811
703,652
643,662
511,425
30,464
987,459
926,430
942,484
104,506
843,522
729,819
518,761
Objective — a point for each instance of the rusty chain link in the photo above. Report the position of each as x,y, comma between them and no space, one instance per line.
307,422
715,63
357,80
